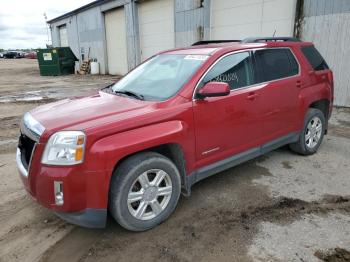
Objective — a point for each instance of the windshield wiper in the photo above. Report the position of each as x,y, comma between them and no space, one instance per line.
130,93
108,89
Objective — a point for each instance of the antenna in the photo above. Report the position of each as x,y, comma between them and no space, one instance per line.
274,33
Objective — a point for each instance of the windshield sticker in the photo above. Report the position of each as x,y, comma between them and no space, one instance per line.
196,57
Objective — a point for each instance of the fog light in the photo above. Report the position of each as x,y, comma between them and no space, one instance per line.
58,190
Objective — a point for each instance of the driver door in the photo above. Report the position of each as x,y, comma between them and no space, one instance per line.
228,125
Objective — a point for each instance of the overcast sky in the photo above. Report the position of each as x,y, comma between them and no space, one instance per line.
22,22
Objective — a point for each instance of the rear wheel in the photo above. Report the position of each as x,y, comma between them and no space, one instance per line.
144,191
312,134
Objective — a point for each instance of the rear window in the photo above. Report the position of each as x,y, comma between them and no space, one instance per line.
274,64
314,57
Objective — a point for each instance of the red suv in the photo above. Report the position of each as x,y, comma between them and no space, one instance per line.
181,116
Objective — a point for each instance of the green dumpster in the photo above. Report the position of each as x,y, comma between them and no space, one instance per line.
56,61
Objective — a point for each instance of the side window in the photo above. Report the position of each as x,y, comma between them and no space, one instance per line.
274,64
235,69
293,63
314,57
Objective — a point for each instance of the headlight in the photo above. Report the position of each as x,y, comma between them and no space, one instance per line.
32,124
65,148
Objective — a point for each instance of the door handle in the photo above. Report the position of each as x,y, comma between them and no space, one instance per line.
299,84
252,96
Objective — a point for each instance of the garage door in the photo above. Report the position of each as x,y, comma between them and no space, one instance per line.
156,20
116,42
240,19
63,35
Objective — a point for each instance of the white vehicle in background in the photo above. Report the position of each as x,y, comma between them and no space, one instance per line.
1,55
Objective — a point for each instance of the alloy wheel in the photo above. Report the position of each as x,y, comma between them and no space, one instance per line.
313,132
149,194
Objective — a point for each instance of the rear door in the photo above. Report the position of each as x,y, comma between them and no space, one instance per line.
279,71
230,124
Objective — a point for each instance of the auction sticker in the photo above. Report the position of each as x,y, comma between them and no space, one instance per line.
196,57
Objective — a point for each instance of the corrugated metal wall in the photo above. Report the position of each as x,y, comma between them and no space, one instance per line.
192,21
90,34
327,24
85,32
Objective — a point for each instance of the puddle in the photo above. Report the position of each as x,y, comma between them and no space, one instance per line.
33,98
44,95
27,97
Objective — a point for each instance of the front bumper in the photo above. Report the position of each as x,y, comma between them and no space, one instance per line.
90,217
82,190
85,192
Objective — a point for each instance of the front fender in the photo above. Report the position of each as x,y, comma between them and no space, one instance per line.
105,153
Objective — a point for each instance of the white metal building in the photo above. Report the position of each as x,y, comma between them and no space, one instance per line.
122,33
327,24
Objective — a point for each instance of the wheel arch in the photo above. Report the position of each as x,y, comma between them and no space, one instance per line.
173,151
322,105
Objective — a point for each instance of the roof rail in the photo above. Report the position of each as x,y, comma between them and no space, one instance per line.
249,40
205,42
266,39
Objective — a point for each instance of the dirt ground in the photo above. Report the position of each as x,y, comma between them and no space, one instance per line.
278,207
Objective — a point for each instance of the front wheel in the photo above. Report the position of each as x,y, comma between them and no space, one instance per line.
312,134
144,191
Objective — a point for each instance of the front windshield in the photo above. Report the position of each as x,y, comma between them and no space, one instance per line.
160,77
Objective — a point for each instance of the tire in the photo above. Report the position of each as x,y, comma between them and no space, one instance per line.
310,146
130,192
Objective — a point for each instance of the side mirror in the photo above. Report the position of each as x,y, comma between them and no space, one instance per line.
214,89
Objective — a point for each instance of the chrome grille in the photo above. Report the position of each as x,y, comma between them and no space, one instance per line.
26,146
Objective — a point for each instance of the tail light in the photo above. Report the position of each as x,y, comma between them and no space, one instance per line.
330,79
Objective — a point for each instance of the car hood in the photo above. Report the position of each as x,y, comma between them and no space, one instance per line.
85,112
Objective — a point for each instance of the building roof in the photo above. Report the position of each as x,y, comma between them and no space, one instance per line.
78,10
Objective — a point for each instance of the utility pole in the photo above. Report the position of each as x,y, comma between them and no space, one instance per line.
47,30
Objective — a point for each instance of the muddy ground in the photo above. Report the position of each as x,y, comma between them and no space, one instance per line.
279,207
